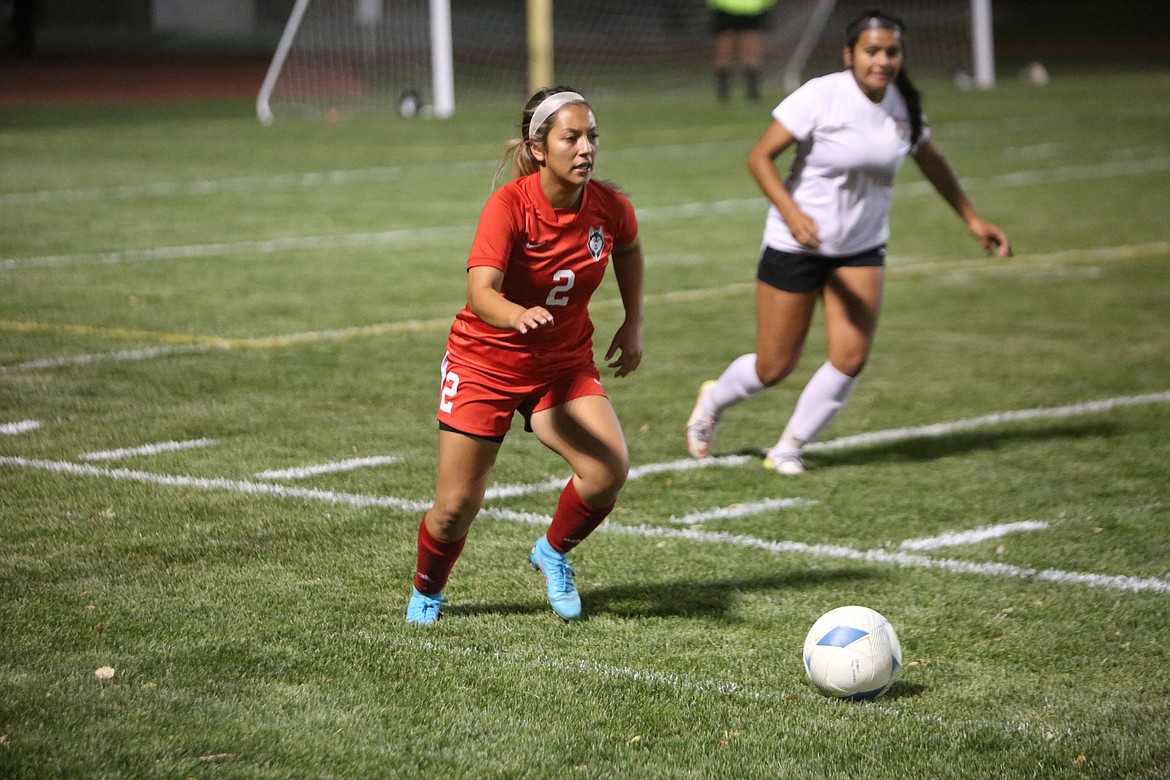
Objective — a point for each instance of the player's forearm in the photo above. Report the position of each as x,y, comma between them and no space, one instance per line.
629,272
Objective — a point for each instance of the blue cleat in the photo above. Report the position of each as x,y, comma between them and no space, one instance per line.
424,609
562,593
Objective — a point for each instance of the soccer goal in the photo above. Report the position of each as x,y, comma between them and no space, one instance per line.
424,56
340,55
952,37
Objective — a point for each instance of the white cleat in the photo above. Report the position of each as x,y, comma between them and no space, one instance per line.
700,430
784,462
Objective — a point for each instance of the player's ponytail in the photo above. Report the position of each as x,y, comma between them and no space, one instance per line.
519,150
913,100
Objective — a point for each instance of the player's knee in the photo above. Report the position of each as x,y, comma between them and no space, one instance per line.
773,371
452,514
850,363
605,480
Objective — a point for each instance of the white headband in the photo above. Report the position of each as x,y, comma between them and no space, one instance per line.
549,106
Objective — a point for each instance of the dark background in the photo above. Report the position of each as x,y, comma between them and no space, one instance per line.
81,51
1094,31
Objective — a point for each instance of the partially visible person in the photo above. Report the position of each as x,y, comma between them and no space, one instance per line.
23,21
738,29
826,231
524,344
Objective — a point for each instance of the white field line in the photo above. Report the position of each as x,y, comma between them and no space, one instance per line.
149,449
17,428
1021,415
209,343
201,344
129,355
311,179
974,536
901,559
262,247
200,187
860,440
391,173
461,232
608,671
336,467
745,509
689,686
229,485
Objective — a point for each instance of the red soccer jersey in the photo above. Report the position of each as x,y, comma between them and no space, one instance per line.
550,257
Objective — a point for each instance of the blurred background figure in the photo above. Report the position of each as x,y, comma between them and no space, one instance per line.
21,17
737,26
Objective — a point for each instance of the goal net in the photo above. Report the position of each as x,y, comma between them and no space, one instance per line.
343,56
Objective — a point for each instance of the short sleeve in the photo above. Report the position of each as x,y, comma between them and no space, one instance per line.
626,232
799,111
497,231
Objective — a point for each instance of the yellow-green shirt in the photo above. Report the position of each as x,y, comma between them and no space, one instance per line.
742,7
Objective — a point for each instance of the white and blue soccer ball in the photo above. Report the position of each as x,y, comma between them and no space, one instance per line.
852,653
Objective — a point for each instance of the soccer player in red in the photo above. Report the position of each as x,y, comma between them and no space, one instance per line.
524,343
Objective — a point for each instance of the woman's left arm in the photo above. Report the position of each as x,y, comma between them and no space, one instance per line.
628,270
939,173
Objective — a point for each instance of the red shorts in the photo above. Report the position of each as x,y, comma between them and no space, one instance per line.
479,403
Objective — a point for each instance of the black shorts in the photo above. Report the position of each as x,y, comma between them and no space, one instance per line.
793,272
721,21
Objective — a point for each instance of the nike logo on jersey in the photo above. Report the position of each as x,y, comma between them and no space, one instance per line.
536,245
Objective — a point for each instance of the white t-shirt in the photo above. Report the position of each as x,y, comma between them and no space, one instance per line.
848,151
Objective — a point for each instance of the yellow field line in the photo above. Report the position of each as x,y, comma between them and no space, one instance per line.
221,342
1118,253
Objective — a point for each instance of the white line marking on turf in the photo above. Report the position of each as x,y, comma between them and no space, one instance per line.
905,560
860,440
203,344
149,449
974,536
268,246
745,509
675,211
596,668
1021,415
330,468
1114,582
16,428
231,485
125,355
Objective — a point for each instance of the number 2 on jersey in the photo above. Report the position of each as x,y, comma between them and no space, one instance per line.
450,386
559,295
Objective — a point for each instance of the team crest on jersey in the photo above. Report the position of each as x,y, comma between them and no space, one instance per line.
596,242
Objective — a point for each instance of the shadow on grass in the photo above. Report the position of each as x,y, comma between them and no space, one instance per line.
928,448
709,599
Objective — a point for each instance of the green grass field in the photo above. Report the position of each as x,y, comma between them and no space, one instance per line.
190,302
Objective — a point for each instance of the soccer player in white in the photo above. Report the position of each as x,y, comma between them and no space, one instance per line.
826,231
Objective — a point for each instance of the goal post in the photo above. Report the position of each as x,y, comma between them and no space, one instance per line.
336,57
540,44
346,50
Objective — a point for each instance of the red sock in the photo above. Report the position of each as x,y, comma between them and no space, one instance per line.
574,520
436,558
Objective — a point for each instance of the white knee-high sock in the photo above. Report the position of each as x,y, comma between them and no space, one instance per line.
737,383
819,402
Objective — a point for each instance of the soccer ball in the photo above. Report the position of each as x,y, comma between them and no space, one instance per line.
852,653
410,104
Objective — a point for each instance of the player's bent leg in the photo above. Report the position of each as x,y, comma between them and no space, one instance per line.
586,433
464,465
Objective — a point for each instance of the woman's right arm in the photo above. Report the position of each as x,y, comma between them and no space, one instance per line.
484,283
761,162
